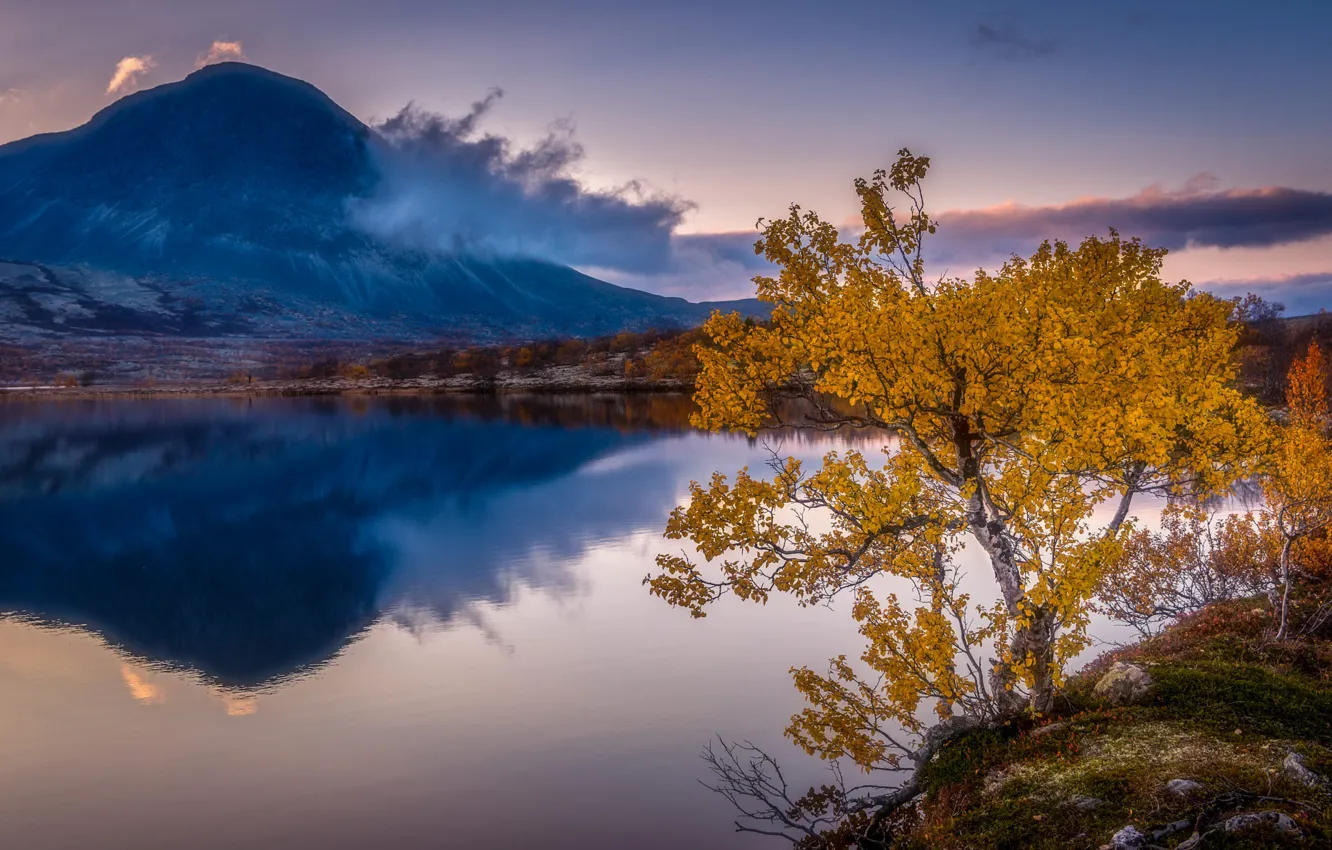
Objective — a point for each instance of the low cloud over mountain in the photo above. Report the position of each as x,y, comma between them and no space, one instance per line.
449,186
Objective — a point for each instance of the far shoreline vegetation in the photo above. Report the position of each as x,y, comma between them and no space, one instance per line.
653,360
649,360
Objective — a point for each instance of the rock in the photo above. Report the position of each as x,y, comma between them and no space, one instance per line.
995,780
1085,804
1049,729
1275,823
1183,787
1128,838
949,728
1124,684
1294,769
1171,829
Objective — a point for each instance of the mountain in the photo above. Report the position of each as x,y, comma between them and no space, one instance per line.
217,205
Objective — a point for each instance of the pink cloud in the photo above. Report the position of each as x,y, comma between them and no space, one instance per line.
221,51
128,71
1196,215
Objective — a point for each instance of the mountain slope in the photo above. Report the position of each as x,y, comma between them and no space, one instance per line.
227,193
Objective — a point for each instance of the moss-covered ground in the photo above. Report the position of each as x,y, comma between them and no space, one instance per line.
1227,708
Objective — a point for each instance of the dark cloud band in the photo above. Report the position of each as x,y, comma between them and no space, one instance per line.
1007,42
1300,294
1237,218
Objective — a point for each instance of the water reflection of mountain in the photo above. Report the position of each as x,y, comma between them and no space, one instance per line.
249,541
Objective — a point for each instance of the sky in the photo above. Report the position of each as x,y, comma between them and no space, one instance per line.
1204,127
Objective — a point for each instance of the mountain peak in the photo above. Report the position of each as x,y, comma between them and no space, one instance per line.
219,105
239,78
232,68
231,188
224,134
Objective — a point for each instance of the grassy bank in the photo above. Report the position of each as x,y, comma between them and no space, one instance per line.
1212,740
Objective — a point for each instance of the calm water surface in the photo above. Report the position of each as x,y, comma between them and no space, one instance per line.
388,623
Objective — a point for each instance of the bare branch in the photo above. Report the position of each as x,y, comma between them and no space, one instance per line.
753,782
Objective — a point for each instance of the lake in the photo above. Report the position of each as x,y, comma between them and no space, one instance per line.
387,622
406,622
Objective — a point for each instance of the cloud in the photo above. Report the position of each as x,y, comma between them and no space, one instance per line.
141,688
1007,42
736,248
1198,215
10,95
221,51
240,705
700,267
1300,293
447,186
128,71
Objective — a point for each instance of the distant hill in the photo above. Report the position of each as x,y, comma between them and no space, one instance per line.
217,205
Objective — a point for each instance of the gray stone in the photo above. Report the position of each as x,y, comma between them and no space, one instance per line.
1275,823
1128,838
949,728
1085,804
1049,729
1294,769
1183,787
1124,684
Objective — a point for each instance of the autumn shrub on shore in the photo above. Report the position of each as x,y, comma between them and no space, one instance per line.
657,355
1197,559
1268,345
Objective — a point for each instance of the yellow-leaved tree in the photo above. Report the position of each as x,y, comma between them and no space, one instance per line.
1021,411
1196,559
1298,487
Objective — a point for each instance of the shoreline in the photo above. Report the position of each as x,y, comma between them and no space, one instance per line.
297,387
